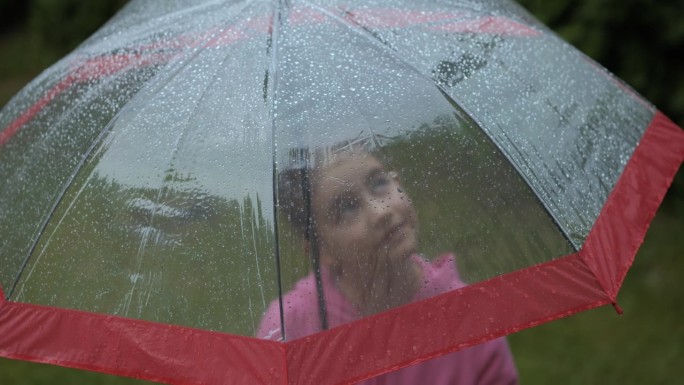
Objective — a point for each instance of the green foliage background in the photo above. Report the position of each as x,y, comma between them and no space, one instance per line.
638,40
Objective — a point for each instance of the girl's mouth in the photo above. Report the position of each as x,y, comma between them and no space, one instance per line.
393,235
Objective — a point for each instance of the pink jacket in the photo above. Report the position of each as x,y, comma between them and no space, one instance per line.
487,363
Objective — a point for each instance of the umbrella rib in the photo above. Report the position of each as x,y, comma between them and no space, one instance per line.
537,194
270,84
365,33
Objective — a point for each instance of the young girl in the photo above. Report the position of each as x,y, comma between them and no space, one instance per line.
360,229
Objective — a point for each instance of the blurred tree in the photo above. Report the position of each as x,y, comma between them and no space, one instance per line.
12,13
61,25
36,33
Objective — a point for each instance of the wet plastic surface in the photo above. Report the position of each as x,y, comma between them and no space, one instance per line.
190,163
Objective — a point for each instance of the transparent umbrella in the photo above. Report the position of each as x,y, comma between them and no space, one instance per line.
316,191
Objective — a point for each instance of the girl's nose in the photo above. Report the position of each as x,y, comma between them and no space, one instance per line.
386,208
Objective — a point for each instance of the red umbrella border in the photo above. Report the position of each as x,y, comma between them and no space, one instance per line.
371,346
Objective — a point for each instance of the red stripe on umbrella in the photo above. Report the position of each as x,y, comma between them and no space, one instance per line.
88,70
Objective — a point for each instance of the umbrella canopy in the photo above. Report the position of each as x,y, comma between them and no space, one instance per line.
145,223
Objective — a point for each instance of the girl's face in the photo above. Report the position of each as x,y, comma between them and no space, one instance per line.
364,221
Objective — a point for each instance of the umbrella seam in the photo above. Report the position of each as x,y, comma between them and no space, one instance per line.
527,180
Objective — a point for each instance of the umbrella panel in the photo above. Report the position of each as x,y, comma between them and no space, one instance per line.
566,124
170,217
46,153
54,122
355,97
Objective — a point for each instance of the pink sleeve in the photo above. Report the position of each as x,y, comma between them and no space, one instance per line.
499,368
270,325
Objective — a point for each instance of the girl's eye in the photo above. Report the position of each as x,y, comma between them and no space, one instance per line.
349,205
345,209
380,182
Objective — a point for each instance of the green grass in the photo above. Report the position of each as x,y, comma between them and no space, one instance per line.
28,373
